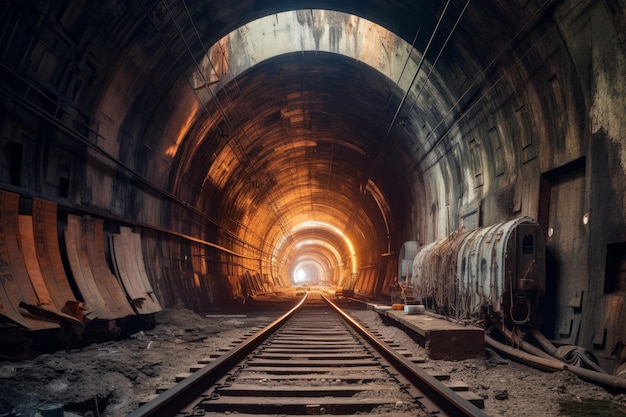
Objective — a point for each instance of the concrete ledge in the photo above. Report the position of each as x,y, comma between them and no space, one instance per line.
442,339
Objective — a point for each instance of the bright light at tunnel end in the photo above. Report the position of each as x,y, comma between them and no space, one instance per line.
300,276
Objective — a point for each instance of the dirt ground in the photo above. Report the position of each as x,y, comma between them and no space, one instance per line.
112,378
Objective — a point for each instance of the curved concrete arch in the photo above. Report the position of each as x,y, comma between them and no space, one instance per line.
300,31
310,30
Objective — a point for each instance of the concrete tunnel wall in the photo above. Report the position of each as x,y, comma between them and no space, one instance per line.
538,130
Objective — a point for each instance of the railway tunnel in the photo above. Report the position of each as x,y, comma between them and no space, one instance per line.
236,148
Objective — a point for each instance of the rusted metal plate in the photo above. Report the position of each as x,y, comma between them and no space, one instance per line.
107,282
76,246
46,242
127,258
16,285
27,245
143,275
46,306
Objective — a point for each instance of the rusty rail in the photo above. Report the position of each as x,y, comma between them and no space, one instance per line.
182,395
443,397
185,393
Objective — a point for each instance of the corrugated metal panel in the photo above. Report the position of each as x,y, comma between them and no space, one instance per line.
99,288
27,246
16,285
128,262
46,306
79,265
107,282
46,242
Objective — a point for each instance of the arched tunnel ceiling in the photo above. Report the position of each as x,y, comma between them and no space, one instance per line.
308,155
285,134
314,115
298,117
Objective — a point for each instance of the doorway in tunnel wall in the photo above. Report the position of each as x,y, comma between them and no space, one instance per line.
615,271
561,214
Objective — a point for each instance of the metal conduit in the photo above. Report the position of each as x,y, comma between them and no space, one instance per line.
553,365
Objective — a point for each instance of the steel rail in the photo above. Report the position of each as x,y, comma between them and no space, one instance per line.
183,394
443,397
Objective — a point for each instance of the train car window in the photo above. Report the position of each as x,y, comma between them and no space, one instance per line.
483,267
528,245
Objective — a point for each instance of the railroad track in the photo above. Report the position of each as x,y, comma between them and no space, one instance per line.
313,360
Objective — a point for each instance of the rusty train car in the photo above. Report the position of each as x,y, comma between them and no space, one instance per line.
495,272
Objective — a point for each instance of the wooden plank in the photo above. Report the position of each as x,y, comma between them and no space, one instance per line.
313,369
46,241
290,390
128,257
443,339
295,405
16,286
107,283
81,270
345,363
313,356
353,378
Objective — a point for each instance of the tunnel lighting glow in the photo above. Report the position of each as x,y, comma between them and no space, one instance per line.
317,242
308,272
321,225
300,275
310,242
182,133
586,218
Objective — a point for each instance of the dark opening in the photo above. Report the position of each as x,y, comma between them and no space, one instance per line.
15,151
528,245
64,187
615,270
64,168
